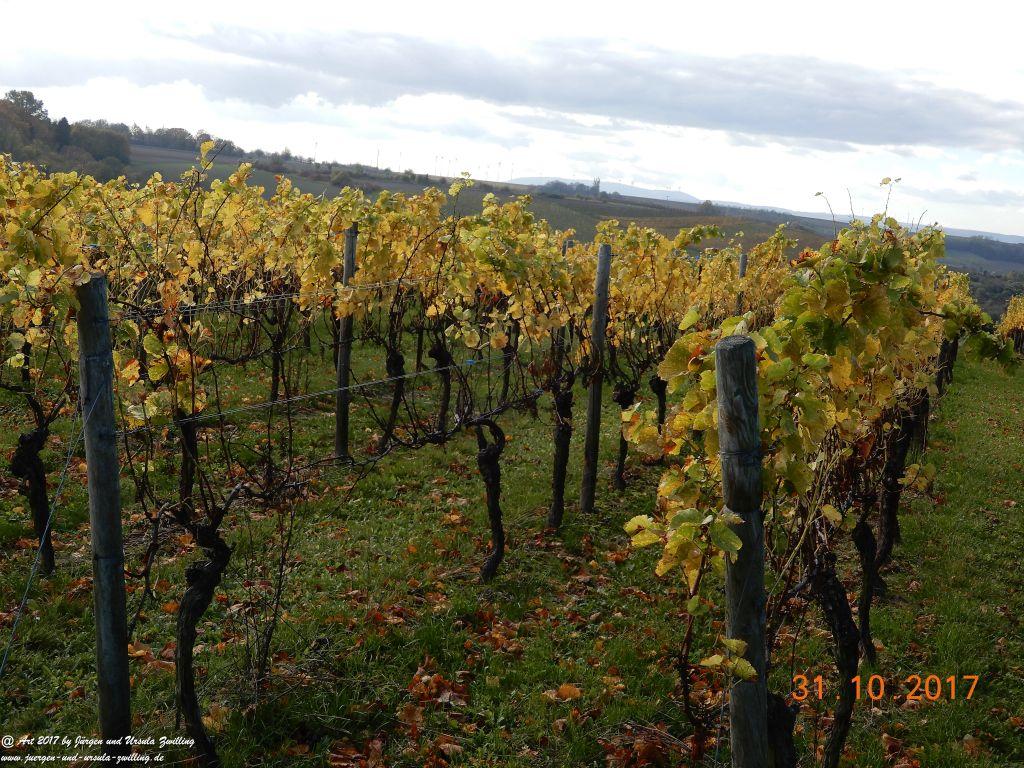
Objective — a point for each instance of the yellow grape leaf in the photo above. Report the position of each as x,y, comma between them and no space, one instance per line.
738,647
842,367
157,370
743,669
640,528
637,523
128,374
831,514
147,214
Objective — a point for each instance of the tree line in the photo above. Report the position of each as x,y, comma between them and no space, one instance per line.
98,148
993,290
103,149
28,133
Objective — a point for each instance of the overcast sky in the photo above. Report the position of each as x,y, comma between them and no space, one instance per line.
755,102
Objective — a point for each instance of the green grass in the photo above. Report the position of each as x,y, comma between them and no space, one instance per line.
382,592
383,581
956,586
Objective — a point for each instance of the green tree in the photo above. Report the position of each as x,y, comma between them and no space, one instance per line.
101,143
62,133
27,102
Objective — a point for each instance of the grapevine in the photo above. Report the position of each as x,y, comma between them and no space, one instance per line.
460,318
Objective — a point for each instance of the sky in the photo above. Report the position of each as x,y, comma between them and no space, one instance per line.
753,102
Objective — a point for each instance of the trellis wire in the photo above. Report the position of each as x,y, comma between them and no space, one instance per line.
231,305
309,395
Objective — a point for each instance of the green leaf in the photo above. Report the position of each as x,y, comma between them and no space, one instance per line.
816,361
158,370
689,516
689,319
775,371
724,538
152,344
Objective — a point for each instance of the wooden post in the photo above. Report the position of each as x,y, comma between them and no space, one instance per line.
598,321
743,273
96,374
739,438
342,398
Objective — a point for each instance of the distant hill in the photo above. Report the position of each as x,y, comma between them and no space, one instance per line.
613,187
966,249
845,218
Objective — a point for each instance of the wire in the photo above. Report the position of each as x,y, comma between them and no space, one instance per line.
231,305
311,395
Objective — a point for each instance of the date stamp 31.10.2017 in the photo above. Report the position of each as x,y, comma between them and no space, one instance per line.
921,687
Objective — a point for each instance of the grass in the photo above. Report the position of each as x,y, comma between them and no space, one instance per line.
382,583
390,645
956,588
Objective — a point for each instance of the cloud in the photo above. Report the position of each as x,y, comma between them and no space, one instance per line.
816,104
1001,198
561,122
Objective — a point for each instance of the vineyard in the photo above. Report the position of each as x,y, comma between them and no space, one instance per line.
1012,324
328,444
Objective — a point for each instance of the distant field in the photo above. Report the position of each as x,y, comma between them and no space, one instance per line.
962,259
172,163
